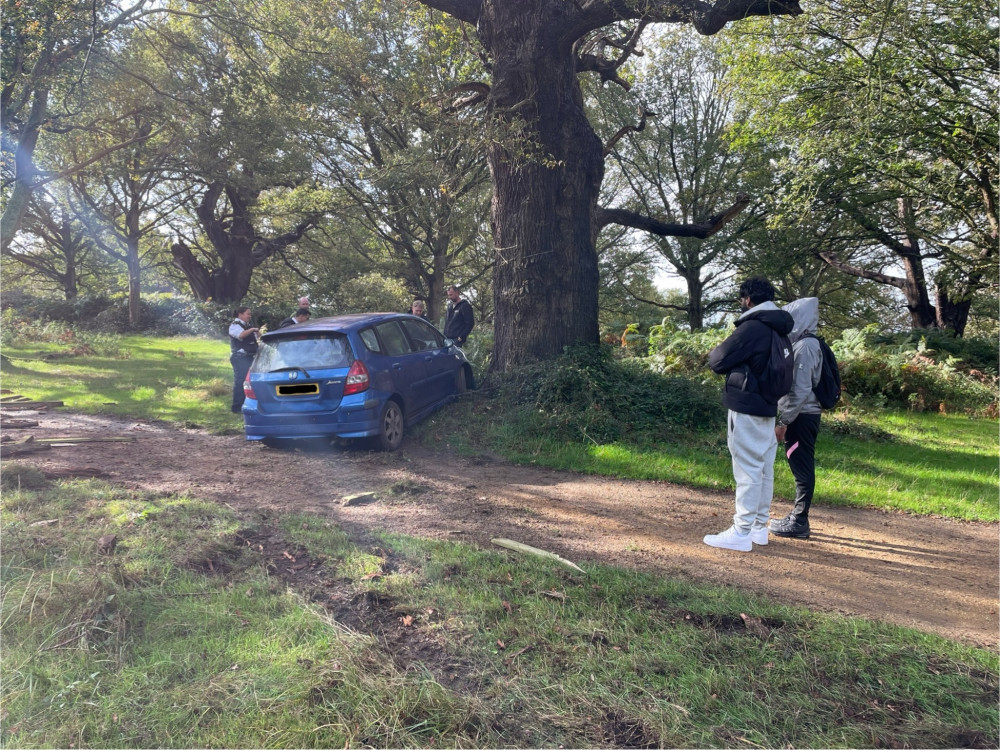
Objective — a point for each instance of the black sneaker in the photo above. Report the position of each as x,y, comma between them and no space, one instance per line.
790,527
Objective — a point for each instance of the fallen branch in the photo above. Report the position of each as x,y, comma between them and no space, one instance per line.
528,549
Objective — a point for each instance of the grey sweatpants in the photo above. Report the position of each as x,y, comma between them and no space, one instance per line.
752,445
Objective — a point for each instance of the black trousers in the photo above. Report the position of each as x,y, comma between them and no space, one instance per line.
800,450
241,366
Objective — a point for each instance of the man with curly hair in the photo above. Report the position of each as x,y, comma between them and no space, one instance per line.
744,359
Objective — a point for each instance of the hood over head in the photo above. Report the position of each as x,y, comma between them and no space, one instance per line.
770,315
805,313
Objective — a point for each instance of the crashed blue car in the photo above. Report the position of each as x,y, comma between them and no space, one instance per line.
351,376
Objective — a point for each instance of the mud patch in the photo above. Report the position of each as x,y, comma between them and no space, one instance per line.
619,730
400,632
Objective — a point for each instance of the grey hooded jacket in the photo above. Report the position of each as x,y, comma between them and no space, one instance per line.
808,361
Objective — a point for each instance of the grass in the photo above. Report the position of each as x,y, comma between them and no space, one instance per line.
940,464
187,637
923,463
184,380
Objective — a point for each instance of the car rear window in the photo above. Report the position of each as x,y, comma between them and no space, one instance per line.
326,350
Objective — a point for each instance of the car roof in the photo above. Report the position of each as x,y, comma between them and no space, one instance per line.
340,323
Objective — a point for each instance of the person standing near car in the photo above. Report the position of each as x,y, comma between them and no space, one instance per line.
799,415
459,320
744,359
418,308
243,347
299,316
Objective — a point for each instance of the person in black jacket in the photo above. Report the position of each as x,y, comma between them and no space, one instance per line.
458,321
743,359
299,316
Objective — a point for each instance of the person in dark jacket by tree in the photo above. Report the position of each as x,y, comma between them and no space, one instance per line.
459,320
743,359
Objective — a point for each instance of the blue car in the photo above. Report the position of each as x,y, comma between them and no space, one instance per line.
351,376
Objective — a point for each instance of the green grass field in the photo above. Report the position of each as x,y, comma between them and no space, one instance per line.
184,380
187,637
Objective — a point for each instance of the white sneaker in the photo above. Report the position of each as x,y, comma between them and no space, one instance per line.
759,536
730,539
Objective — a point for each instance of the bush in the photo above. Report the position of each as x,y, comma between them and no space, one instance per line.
974,353
676,350
587,393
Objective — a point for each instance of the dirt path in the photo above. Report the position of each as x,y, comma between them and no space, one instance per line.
934,574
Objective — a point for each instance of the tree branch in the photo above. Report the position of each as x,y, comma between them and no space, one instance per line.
707,18
643,114
831,259
477,92
464,10
701,230
608,69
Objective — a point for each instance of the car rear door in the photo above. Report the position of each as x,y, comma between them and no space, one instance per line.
407,368
441,363
301,373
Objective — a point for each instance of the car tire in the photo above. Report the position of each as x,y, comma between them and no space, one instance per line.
390,427
461,382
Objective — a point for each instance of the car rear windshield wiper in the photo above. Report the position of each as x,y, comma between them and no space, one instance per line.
293,367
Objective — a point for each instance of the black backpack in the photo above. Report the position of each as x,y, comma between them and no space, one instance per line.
827,390
776,380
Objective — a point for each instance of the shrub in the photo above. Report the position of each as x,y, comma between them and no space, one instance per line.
911,376
974,353
587,393
676,350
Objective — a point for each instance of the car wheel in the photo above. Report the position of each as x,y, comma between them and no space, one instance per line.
390,427
461,383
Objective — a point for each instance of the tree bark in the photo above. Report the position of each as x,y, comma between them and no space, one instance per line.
547,169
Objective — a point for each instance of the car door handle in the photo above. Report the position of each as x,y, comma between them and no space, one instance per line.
397,366
428,358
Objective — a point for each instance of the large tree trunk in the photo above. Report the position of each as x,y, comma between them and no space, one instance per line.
236,242
17,201
547,166
695,305
918,300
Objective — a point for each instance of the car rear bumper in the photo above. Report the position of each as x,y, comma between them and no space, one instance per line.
347,421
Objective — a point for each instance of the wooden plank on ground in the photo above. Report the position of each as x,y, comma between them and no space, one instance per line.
24,405
74,440
18,424
26,445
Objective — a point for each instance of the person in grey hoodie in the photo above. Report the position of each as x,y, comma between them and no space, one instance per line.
798,416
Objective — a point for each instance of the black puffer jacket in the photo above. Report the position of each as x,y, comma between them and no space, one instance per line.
743,357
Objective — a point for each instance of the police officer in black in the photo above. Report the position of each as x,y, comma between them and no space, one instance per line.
243,346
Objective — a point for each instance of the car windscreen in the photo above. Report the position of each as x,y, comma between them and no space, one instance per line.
307,350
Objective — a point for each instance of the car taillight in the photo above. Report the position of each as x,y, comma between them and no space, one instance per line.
357,378
248,389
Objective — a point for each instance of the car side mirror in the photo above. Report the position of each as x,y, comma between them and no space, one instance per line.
448,343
